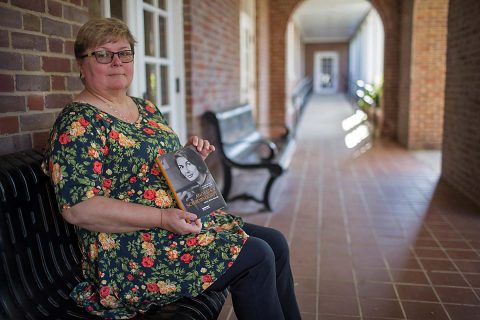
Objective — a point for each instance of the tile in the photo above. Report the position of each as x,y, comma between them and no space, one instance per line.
447,279
376,290
473,279
416,293
307,302
408,276
457,295
336,288
335,305
463,254
305,284
459,312
332,317
377,308
424,311
437,265
468,266
430,253
451,244
374,274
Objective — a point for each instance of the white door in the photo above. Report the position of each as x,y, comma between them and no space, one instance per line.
157,26
325,76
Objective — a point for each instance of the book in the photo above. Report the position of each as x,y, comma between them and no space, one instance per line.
190,181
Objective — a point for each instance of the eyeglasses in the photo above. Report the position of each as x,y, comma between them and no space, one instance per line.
106,57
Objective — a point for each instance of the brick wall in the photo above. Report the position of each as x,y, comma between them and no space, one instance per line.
424,66
37,69
461,139
212,61
341,49
405,72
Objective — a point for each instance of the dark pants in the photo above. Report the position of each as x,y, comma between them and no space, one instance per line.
260,280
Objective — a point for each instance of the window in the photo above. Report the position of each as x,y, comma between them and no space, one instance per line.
157,26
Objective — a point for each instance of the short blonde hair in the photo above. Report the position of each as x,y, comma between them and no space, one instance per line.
99,31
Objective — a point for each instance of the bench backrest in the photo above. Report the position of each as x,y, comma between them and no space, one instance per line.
38,249
235,128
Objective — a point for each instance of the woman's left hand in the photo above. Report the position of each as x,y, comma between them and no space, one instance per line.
203,146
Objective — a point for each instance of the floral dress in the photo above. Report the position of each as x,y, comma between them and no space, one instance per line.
91,153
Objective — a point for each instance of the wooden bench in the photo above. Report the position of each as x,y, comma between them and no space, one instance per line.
40,257
240,145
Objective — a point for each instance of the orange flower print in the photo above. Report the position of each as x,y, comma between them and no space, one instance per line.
163,199
114,134
56,173
205,239
106,241
92,153
172,255
234,250
166,288
76,129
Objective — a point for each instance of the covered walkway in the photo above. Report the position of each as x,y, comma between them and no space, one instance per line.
374,233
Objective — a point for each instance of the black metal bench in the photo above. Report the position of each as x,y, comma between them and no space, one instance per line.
40,257
240,145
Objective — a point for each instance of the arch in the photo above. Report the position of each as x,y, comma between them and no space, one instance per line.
279,15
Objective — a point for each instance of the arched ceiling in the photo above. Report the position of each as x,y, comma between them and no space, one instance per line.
330,20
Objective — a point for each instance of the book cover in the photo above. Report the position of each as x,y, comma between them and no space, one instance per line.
190,181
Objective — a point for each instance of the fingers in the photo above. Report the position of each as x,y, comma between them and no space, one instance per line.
203,146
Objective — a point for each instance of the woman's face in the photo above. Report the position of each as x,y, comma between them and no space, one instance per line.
113,76
188,169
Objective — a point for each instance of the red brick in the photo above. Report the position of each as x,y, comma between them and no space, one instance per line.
14,143
58,83
12,104
35,102
69,45
74,84
56,28
57,100
6,83
4,41
32,83
29,41
30,5
40,139
75,14
36,121
56,64
10,18
54,8
31,22
9,125
31,62
10,61
55,45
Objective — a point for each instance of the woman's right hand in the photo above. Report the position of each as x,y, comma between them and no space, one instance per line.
176,221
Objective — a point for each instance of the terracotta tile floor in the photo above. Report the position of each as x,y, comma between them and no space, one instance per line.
374,233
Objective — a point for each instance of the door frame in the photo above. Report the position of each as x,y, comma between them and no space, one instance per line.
316,71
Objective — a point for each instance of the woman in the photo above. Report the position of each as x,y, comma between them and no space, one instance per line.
138,249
